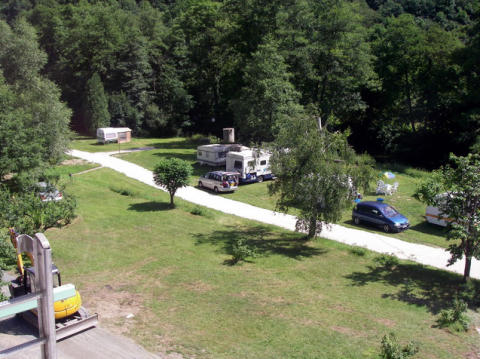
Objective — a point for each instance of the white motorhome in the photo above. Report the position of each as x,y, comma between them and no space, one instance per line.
111,134
216,154
252,165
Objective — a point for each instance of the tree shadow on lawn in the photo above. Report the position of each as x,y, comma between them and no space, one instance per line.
414,284
174,145
149,207
429,228
183,156
263,239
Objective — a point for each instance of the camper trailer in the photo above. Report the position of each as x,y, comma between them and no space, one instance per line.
252,165
432,215
213,155
111,134
216,154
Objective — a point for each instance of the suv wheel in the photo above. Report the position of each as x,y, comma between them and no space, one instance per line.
200,184
356,220
387,228
216,189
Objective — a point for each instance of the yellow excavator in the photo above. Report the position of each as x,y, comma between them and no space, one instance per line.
70,316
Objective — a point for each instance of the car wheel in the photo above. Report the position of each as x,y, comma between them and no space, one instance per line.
216,189
200,184
356,220
387,228
260,179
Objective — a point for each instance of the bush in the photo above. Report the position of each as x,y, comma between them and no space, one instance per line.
358,250
201,211
7,252
199,138
241,250
455,319
391,349
386,260
123,191
470,292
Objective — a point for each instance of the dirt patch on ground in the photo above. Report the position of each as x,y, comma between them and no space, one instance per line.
386,322
349,331
115,306
74,161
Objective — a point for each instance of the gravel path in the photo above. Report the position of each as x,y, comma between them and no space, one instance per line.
435,257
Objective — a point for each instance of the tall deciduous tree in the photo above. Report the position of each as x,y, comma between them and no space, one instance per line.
95,105
317,172
36,115
325,45
455,190
268,98
18,152
172,173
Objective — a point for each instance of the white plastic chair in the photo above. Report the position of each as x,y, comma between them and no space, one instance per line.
395,187
380,187
387,189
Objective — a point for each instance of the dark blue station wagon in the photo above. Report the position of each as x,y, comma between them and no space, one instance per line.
380,214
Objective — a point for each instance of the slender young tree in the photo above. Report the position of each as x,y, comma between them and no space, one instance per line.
455,190
172,174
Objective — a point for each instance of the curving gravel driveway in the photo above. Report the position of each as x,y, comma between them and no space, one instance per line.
435,257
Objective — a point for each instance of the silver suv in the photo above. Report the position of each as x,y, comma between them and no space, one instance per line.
219,181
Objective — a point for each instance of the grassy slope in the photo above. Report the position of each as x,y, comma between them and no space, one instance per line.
298,300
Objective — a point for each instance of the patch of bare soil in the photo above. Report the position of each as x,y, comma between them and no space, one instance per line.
348,331
74,161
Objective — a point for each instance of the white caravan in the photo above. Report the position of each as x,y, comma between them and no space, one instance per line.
111,134
215,154
252,165
432,215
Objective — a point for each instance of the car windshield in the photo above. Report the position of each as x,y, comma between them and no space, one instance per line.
389,211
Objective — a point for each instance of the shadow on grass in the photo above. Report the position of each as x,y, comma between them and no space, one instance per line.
429,228
149,207
414,284
263,239
174,145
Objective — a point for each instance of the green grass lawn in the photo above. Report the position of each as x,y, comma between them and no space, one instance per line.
132,254
257,193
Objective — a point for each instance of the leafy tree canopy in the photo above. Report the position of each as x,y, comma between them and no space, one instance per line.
455,190
317,172
172,174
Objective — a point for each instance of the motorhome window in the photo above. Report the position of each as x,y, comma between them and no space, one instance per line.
263,162
199,153
110,135
238,165
207,154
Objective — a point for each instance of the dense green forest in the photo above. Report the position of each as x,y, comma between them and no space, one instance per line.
402,75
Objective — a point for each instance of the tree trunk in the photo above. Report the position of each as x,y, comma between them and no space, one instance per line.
172,205
466,272
312,228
